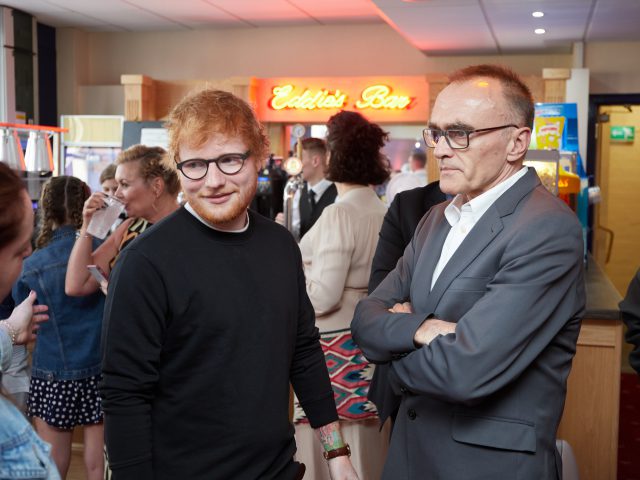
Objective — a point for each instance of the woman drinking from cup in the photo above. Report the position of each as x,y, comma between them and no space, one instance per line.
148,190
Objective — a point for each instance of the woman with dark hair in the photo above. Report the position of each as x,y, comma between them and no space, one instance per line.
148,189
66,366
337,253
22,453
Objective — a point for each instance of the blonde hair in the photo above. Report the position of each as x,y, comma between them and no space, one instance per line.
200,115
152,165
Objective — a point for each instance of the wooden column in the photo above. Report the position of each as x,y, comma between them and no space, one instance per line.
555,84
139,97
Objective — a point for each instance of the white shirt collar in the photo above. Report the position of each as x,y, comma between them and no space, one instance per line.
480,204
320,187
190,209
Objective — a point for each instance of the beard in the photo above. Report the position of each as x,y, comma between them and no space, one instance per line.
226,214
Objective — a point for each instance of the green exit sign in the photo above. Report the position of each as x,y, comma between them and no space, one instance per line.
622,134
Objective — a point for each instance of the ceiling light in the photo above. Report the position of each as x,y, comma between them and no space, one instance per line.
538,14
539,31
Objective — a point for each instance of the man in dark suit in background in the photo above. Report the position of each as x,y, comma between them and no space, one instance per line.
316,193
480,318
398,227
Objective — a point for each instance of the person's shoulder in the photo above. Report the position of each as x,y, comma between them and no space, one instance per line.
331,191
416,194
417,201
265,226
163,231
39,259
547,201
343,214
268,232
547,215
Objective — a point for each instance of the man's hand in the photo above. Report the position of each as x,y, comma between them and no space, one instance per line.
340,468
25,318
280,218
430,329
402,308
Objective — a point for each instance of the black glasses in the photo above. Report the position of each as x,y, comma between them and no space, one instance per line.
197,168
456,138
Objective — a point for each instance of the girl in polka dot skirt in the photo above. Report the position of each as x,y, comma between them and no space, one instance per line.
66,361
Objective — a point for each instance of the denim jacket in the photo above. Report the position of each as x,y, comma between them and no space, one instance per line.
68,345
22,454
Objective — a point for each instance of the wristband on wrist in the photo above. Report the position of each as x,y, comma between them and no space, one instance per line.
13,333
337,452
79,234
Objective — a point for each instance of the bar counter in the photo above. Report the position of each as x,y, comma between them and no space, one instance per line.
591,412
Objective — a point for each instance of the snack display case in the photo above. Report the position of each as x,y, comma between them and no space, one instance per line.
547,164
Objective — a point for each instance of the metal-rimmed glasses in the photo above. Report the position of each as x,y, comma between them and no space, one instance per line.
197,168
456,138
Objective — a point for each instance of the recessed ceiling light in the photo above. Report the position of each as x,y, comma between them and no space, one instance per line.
539,31
538,14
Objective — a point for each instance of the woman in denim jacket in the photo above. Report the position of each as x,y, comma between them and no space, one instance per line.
66,362
22,453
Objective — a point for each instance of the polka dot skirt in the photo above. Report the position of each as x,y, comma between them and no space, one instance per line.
65,403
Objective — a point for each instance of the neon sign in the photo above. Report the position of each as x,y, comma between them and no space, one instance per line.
283,98
377,97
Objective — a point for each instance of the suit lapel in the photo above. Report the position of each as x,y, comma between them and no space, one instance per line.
480,237
427,259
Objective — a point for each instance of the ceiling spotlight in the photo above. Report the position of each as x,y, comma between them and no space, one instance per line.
539,31
538,14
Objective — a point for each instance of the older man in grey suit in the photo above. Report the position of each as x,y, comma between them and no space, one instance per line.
480,318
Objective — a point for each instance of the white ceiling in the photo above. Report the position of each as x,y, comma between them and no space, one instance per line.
436,27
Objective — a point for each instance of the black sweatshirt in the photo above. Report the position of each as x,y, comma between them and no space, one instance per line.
203,332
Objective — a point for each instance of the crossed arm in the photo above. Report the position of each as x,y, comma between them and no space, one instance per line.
526,304
430,328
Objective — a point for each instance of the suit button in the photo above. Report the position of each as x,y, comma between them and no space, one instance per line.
403,390
411,413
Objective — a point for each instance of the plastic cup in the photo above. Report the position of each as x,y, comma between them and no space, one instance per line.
104,218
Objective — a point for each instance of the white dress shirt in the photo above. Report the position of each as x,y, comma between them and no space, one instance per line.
463,216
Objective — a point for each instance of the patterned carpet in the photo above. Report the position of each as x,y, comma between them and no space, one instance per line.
629,436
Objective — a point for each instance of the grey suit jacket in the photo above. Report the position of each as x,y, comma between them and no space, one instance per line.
485,402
